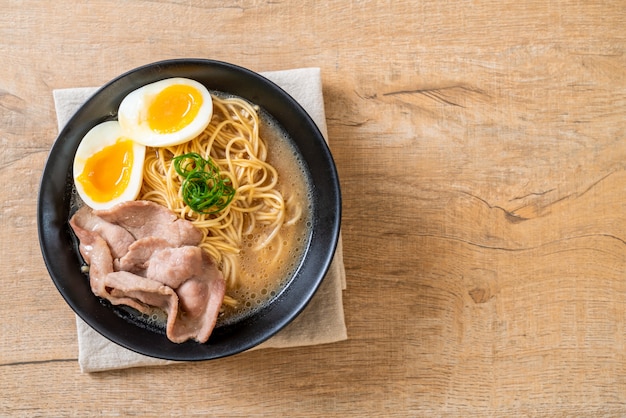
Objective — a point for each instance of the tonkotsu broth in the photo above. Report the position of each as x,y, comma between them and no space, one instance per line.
263,275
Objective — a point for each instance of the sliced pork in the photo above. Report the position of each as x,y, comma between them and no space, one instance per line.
129,289
117,238
161,267
137,259
147,219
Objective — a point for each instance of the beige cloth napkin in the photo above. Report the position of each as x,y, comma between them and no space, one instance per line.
321,322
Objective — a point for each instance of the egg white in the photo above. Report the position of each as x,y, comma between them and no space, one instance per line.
132,114
99,137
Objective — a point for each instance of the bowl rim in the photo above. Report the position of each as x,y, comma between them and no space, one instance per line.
53,230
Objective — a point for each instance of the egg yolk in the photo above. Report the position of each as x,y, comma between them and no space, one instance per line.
107,172
173,108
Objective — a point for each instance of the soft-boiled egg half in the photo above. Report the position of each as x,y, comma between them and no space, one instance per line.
108,166
167,112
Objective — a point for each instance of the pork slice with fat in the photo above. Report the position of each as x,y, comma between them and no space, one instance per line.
174,266
137,259
200,298
97,253
200,288
124,288
143,218
116,237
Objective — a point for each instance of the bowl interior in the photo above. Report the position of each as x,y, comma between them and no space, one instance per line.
60,253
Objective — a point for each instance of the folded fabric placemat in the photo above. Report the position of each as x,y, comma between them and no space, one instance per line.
321,322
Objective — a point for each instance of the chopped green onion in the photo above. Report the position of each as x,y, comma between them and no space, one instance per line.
203,189
188,163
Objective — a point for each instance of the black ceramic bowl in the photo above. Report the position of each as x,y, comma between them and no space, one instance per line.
62,259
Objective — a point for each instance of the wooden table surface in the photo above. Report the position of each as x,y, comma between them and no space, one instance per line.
481,148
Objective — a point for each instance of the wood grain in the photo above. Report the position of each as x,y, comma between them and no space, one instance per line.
481,152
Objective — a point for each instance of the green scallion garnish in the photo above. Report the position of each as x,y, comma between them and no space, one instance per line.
203,189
